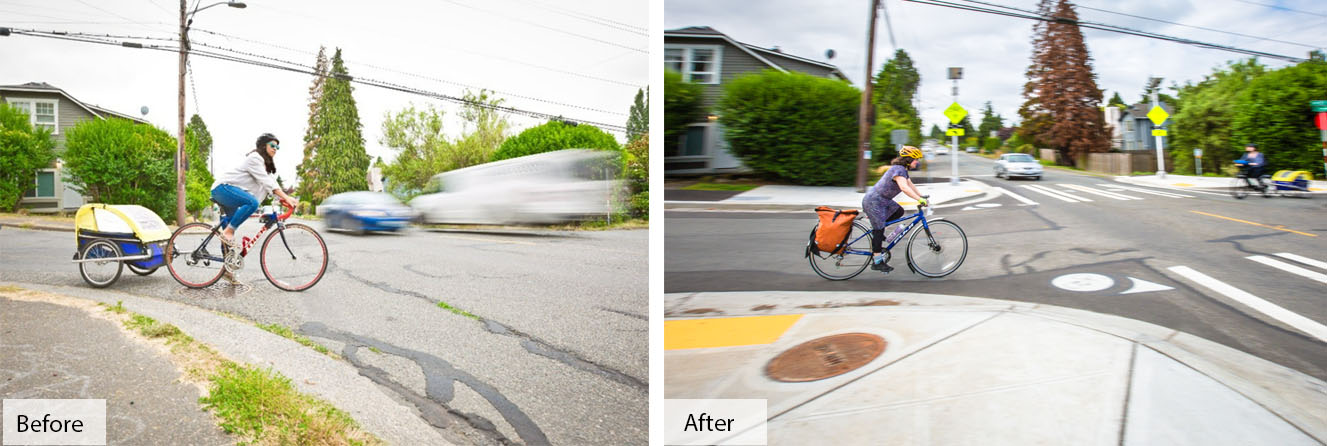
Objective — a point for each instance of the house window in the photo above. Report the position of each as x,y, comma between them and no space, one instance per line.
40,112
44,185
698,64
693,142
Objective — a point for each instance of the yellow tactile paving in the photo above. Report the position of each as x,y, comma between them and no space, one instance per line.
726,332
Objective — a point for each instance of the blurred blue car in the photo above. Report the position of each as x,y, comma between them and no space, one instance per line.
364,211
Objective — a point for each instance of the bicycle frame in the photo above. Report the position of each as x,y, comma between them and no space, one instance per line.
920,216
246,242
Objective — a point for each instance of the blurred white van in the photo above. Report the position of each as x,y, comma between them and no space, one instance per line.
550,187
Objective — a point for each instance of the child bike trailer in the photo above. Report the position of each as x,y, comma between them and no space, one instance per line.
1291,183
112,236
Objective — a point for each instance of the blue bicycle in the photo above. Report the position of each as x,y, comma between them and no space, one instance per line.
936,248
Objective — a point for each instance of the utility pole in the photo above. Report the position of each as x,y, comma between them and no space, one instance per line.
179,153
864,125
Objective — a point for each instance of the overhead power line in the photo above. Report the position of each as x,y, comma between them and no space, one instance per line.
1283,8
592,19
1269,39
540,25
1009,11
303,69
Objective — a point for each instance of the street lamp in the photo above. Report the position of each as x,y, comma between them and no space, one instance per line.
186,19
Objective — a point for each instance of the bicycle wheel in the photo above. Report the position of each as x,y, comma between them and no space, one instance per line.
848,263
192,263
940,252
1239,189
297,260
100,274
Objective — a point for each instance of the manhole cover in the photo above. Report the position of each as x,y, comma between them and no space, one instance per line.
220,289
825,357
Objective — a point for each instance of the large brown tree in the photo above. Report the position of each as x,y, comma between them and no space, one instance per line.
1061,108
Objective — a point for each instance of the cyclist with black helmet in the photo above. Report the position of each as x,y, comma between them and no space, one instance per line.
238,190
880,205
1254,161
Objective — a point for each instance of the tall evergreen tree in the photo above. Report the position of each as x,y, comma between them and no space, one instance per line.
936,133
1117,101
199,130
895,89
990,122
1062,94
638,121
304,171
339,162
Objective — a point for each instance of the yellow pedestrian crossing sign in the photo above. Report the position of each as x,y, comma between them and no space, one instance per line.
955,113
954,132
1159,132
1157,115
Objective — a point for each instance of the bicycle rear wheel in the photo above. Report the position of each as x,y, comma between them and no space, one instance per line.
1239,188
940,252
297,260
190,261
848,263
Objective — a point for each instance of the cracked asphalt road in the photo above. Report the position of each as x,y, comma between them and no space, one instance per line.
557,353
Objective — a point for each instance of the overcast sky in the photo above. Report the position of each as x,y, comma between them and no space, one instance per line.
523,49
994,50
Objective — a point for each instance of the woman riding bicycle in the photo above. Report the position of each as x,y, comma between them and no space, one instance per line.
1254,161
237,191
880,205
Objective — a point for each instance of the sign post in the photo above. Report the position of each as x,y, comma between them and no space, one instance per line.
955,113
1158,116
1321,108
1198,161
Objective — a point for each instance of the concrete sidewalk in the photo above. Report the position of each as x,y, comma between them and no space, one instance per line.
334,381
1194,182
958,370
782,197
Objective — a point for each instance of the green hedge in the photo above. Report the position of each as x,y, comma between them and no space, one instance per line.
793,127
554,135
116,161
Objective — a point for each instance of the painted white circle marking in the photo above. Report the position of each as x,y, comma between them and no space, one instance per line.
1083,282
988,205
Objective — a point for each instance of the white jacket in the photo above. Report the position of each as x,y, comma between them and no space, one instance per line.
251,176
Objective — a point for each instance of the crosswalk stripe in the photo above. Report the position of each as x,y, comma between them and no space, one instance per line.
1302,259
1292,269
1147,191
1053,191
1101,193
1052,194
1272,310
1015,196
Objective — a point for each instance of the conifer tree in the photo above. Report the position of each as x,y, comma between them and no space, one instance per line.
339,162
1062,94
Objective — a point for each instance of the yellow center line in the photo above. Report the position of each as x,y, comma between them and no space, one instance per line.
480,239
1278,227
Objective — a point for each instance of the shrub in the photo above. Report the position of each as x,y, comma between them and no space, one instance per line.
117,161
793,127
554,135
637,164
23,150
682,102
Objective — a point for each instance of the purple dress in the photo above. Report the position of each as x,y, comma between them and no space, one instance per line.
879,200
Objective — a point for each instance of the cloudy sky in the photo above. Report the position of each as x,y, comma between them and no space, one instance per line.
583,60
994,50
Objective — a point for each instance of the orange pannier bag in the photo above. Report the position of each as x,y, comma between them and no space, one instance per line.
835,226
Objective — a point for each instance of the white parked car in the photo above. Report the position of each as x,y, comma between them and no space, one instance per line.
942,151
1012,165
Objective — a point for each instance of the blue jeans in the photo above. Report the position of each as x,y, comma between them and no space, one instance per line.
237,204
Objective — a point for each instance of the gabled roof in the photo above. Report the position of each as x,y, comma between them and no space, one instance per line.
42,87
762,54
1139,110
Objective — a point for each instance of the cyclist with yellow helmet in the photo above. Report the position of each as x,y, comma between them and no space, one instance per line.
880,205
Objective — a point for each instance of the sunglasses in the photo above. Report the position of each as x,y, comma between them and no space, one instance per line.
274,145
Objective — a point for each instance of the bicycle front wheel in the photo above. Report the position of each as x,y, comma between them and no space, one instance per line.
937,252
848,263
294,258
194,256
1239,189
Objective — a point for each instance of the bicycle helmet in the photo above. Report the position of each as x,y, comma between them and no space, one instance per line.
265,138
911,152
1254,146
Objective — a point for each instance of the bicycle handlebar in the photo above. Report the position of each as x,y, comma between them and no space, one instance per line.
290,210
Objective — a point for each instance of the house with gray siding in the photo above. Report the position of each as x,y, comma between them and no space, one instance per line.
707,57
1136,128
48,106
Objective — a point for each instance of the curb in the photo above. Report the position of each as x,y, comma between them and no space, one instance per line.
311,372
38,227
1297,398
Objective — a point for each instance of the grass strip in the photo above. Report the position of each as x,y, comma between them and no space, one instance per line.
446,306
286,332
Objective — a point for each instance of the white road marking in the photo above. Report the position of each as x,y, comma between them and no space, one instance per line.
1143,286
1083,282
1057,194
1146,191
1101,193
1302,259
1015,196
1188,191
1292,269
1272,310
